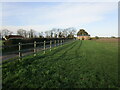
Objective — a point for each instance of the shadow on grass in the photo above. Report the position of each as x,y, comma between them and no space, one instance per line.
31,58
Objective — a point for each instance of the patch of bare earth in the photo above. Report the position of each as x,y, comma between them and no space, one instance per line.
109,40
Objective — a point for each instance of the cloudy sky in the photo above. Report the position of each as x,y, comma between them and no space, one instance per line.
98,18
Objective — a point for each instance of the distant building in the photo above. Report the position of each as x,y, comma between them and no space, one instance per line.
13,37
83,37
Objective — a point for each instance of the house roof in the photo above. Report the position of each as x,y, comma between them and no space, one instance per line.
14,37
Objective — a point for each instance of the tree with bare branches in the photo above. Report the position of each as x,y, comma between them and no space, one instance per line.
31,33
22,32
6,32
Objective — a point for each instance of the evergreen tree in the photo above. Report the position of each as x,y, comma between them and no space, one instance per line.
82,32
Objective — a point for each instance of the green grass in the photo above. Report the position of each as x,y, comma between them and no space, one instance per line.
1,42
80,64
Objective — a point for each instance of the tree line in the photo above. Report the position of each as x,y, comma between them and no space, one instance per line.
53,33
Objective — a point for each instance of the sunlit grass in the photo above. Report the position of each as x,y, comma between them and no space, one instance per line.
80,64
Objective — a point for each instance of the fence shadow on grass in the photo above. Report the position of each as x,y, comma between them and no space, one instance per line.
44,55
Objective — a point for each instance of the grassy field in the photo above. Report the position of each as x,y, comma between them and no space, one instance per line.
79,64
1,42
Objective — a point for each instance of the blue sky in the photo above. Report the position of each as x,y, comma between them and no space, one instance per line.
98,18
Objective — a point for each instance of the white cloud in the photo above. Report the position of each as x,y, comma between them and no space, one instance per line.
66,13
75,14
62,15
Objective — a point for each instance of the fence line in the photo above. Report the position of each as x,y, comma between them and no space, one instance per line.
35,48
50,45
20,55
44,47
55,43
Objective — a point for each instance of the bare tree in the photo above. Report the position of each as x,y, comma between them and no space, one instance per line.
41,35
31,33
65,33
55,35
61,33
51,33
48,34
55,32
25,34
6,32
22,32
71,32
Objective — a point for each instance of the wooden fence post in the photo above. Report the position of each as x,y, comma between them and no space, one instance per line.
50,44
55,43
20,54
44,47
58,42
34,48
61,42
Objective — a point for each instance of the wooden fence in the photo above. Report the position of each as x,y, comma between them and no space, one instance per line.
45,45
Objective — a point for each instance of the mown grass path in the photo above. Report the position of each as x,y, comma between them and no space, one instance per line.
79,64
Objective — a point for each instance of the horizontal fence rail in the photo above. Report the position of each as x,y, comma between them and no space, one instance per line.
34,48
